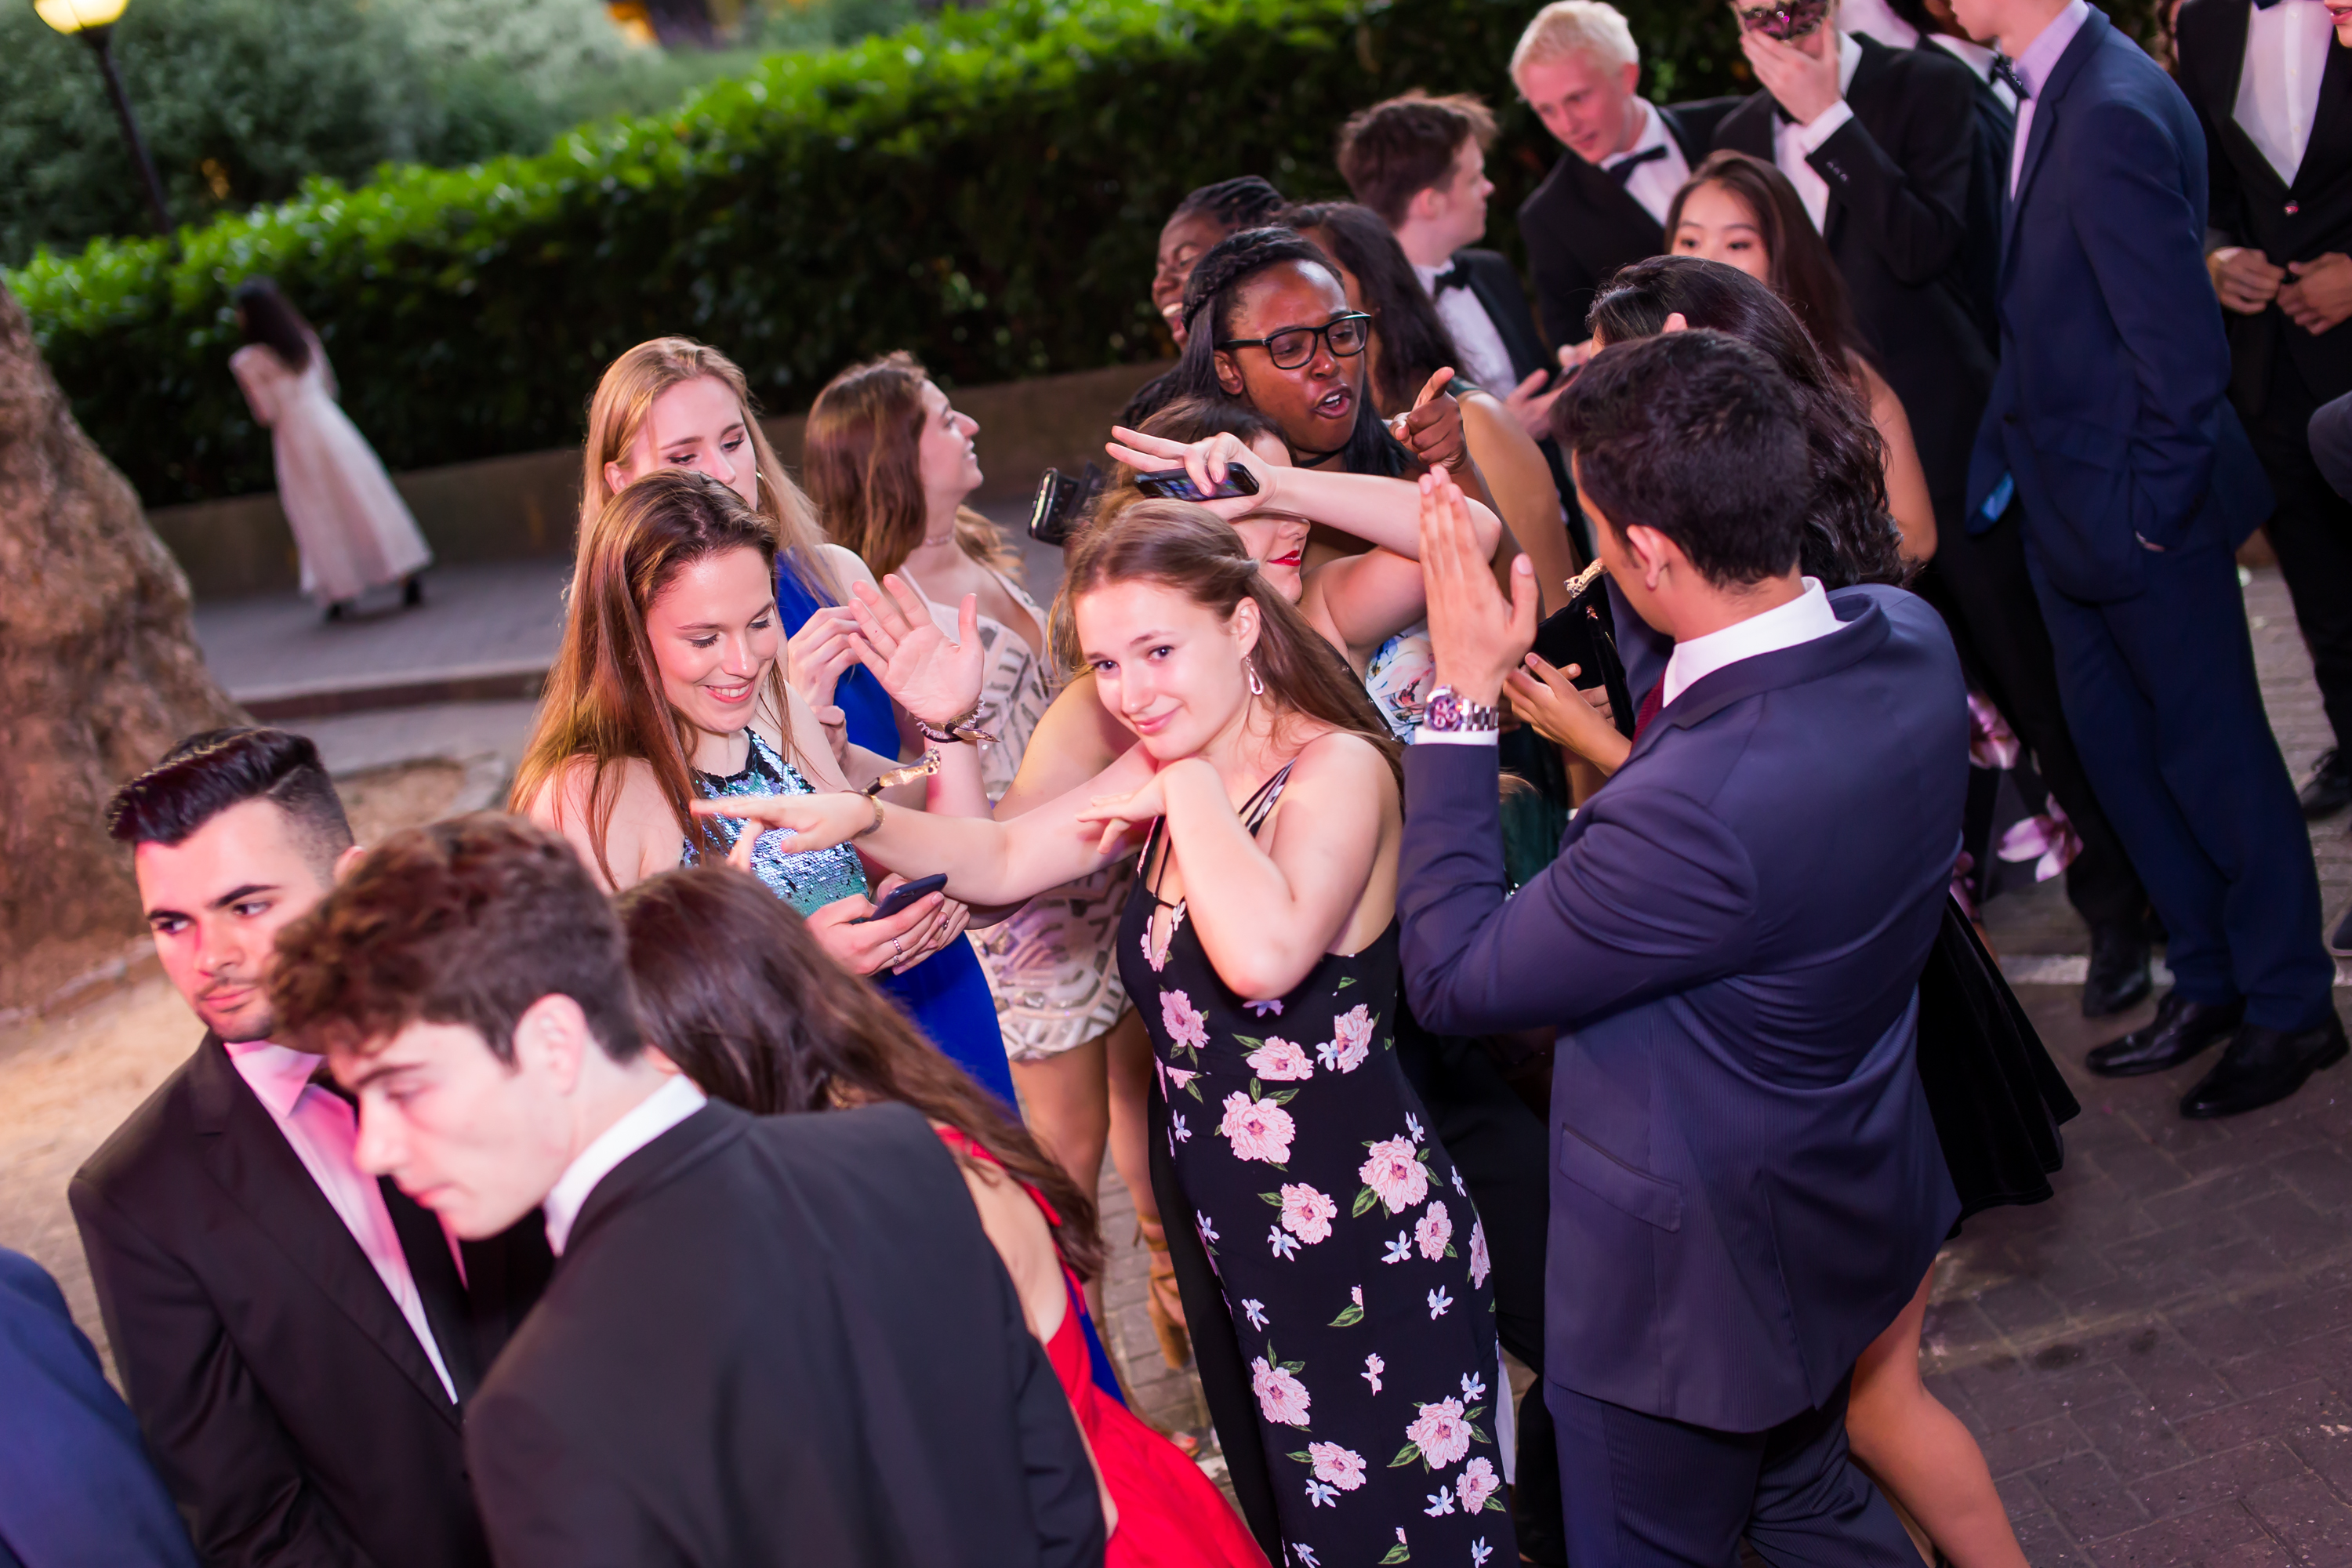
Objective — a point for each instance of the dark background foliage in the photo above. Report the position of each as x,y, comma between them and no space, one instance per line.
985,189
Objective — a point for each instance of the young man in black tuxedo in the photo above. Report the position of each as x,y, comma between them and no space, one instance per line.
768,1340
1604,204
2273,91
295,1336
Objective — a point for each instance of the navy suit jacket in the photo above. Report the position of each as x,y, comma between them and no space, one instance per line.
1747,1186
75,1484
2108,408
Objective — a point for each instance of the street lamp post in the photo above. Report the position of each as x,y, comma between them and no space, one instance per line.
93,21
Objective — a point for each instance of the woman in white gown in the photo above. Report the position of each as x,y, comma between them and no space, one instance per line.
351,527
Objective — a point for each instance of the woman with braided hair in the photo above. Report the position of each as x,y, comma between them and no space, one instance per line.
1205,216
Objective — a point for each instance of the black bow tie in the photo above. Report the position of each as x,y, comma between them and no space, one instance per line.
1622,169
2004,70
1456,276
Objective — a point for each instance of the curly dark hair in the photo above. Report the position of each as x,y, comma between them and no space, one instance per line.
1414,343
1244,201
1850,535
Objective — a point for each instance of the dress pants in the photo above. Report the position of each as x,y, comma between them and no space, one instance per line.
1981,583
2312,532
1645,1492
2160,693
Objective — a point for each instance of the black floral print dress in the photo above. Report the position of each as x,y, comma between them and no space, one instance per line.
1351,1262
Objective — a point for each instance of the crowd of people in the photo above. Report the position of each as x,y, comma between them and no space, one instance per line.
1480,838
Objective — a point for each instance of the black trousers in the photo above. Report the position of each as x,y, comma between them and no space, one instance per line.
1981,583
2312,532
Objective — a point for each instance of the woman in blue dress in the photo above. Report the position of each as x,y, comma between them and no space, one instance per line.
672,403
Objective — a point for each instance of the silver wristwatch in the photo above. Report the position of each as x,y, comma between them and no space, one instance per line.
1449,712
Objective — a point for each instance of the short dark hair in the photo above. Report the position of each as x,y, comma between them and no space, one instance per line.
1245,201
210,771
1393,151
1697,435
465,921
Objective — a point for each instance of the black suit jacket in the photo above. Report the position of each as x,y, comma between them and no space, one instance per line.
1496,283
1899,173
1581,226
291,1411
781,1339
2250,205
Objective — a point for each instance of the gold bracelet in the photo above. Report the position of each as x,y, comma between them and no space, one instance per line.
877,818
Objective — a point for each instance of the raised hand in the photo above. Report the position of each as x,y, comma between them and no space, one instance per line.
1476,635
1204,461
1548,698
935,678
1432,431
1532,406
1123,815
816,655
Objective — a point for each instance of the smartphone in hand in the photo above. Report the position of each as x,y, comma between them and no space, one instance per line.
905,893
1175,484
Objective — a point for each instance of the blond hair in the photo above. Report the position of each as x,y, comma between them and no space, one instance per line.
1589,27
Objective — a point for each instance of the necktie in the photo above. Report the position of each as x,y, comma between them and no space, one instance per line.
1648,709
1454,277
1622,169
2004,70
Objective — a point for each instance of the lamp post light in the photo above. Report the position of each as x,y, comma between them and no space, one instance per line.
92,21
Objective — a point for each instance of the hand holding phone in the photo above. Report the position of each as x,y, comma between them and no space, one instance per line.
1175,484
899,897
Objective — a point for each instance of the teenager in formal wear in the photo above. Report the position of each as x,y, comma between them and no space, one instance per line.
2135,489
352,530
732,992
1935,27
1260,945
299,1339
74,1484
1714,885
1206,214
2273,91
1604,204
767,1339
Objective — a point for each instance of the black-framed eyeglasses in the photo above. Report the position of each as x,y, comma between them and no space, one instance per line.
1346,336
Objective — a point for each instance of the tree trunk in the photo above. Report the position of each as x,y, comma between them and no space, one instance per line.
100,673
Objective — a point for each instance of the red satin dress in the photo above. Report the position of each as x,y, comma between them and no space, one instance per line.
1170,1514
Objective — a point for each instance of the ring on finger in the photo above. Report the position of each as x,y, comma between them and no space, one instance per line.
896,949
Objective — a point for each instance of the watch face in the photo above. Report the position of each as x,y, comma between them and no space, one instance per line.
1444,712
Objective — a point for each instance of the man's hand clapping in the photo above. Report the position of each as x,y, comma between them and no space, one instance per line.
1475,634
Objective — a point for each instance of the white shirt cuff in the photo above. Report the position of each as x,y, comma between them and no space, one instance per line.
1425,736
1824,126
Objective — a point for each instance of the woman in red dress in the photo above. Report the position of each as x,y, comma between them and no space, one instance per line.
736,994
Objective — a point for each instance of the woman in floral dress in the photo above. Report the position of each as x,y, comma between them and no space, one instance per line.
1261,944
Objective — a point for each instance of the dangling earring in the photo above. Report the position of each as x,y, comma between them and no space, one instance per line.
1257,686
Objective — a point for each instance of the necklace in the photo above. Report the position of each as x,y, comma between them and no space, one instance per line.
929,541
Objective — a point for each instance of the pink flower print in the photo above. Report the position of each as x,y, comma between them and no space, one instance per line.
1395,1173
1433,1231
1186,1029
1476,1483
1179,1078
1441,1432
1342,1468
1257,1129
1351,1042
1156,953
1480,1264
1373,1367
1279,1061
1281,1398
1307,1213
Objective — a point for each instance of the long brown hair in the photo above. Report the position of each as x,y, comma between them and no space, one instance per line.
625,397
603,700
863,456
1802,271
1191,550
732,988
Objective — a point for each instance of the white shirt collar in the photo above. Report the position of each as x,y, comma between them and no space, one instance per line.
1801,620
1849,59
2040,56
277,1074
1978,58
1654,134
651,1117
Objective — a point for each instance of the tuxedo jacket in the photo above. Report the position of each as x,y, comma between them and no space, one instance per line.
1747,1186
781,1339
1899,174
1581,226
1496,283
286,1402
2109,410
2294,220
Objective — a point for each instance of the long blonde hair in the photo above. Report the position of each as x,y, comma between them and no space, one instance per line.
603,700
624,398
862,459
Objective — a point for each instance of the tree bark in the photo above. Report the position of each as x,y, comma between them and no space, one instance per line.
100,674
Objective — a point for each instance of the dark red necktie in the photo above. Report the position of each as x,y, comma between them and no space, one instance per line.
1648,709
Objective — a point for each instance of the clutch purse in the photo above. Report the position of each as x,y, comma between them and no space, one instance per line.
1583,633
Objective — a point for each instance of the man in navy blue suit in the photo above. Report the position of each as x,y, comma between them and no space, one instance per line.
74,1484
1747,1184
2109,428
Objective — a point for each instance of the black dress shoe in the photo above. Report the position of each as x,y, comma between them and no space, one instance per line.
2119,977
2180,1029
2339,940
2330,789
2263,1066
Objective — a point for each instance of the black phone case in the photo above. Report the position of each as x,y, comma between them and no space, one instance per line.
1175,484
1583,632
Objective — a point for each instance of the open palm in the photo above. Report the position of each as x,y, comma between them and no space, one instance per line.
932,676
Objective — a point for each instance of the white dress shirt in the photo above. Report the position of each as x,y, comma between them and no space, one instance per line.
1653,184
1801,620
323,1131
1484,360
647,1119
2033,66
2278,90
1793,143
1978,58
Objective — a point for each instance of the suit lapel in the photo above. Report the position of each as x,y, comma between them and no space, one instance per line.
443,1290
243,1149
1748,128
2048,105
2331,126
1693,153
1866,631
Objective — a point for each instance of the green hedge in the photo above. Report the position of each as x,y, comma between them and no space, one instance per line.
985,188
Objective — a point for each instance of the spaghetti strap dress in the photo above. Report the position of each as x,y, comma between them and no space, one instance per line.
1348,1256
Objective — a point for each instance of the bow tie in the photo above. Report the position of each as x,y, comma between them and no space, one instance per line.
1622,169
2004,70
1456,276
